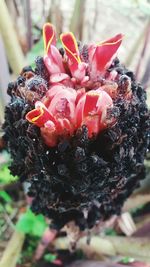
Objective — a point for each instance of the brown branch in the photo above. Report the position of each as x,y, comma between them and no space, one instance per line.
13,49
110,246
12,251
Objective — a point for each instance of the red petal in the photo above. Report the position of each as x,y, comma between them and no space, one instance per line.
77,67
104,102
64,127
104,53
80,93
39,116
106,50
90,107
63,105
79,110
53,60
49,35
59,77
70,44
61,90
55,89
91,110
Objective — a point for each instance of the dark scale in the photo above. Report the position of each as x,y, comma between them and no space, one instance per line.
95,174
11,88
21,81
38,85
40,68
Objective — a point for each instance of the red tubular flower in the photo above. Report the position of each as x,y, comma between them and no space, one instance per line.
40,115
57,117
101,55
77,67
91,111
49,35
66,105
53,59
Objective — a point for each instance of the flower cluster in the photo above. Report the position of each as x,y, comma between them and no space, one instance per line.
69,104
77,128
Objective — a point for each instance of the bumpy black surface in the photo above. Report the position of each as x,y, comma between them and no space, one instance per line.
80,179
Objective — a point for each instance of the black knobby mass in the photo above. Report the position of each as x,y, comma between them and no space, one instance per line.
80,174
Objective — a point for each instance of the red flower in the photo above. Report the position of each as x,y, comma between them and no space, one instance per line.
101,55
77,68
66,105
53,59
91,110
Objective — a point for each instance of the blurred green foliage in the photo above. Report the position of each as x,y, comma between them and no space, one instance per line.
5,175
49,257
127,260
5,196
31,224
37,50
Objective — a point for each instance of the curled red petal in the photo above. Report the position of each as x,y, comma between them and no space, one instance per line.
63,105
59,90
90,117
70,44
77,67
90,107
106,50
79,110
53,60
91,110
49,35
39,116
103,53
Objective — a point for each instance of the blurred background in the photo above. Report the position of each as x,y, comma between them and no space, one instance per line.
21,23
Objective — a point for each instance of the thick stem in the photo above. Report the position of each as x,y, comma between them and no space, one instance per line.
110,246
13,50
12,251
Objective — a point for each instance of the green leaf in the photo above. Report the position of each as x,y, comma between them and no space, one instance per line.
50,257
39,225
31,224
4,195
110,232
127,260
9,208
5,176
25,223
